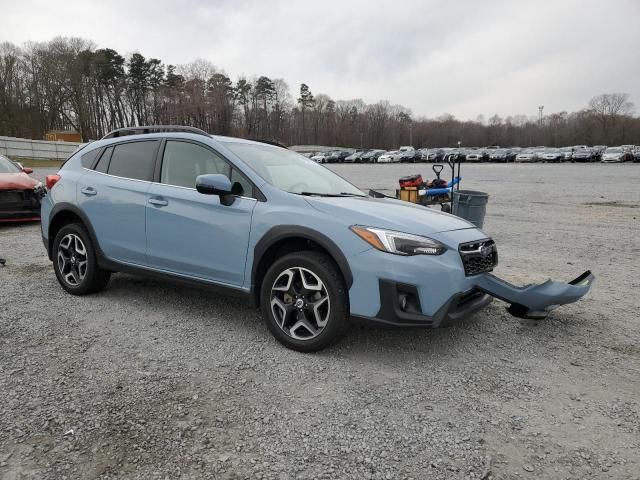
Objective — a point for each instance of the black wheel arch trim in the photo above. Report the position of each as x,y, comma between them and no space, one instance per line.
282,232
69,207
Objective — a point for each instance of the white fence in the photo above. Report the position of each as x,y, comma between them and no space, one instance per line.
18,148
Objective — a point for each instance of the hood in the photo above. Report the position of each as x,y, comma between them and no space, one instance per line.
17,181
388,213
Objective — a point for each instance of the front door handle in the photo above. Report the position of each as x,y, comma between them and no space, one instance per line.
89,191
158,202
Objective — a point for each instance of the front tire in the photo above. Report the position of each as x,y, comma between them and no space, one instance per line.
304,301
75,263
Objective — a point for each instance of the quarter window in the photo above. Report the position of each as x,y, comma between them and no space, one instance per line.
240,185
88,159
134,160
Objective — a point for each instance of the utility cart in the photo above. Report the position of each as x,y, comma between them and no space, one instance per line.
436,192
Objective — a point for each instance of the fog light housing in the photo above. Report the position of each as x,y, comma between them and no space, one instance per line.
408,300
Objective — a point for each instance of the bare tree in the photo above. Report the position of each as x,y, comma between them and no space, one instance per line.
67,84
609,109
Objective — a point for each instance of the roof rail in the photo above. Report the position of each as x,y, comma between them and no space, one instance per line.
122,132
275,143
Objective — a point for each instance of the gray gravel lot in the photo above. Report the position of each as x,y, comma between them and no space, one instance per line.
152,380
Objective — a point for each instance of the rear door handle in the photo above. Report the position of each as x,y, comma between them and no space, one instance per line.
89,191
158,202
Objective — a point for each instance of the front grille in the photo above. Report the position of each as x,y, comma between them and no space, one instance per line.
480,256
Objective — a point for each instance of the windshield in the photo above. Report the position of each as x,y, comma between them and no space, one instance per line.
7,166
614,150
291,172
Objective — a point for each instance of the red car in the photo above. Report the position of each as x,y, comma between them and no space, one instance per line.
20,194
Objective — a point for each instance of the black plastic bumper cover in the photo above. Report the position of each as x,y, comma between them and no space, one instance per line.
391,313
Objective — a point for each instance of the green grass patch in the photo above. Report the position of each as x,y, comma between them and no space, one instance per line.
33,163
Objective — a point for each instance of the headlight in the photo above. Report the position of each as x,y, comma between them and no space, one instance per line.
397,242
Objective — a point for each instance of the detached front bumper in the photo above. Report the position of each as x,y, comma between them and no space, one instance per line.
535,301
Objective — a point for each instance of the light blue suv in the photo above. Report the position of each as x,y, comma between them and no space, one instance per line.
260,221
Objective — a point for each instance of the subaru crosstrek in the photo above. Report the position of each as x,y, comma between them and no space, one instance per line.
260,221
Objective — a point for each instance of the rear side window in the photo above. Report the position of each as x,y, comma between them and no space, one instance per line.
103,163
88,159
134,160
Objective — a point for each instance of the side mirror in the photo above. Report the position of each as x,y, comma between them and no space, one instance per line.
27,170
215,184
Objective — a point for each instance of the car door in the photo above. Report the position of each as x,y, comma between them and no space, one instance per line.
113,195
192,234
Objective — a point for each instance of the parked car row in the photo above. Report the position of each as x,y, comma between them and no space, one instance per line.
577,153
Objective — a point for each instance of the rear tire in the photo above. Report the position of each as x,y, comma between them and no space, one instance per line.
75,263
304,301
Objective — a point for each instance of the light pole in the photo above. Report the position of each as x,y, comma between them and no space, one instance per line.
540,109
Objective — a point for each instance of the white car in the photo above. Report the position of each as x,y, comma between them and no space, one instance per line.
393,156
527,156
320,158
474,156
616,155
355,157
408,153
552,155
567,153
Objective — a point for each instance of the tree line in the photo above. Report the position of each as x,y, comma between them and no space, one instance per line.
69,84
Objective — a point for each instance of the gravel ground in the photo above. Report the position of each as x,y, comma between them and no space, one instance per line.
152,380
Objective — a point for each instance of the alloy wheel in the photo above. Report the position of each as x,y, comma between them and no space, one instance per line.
72,259
300,303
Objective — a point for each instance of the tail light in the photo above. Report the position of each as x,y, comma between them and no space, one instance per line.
51,180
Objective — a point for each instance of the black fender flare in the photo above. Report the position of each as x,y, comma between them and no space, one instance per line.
70,207
281,232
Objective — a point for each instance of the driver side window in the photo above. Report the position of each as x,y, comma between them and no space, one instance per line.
183,162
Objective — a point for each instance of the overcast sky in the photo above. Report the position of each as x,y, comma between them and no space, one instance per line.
460,57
